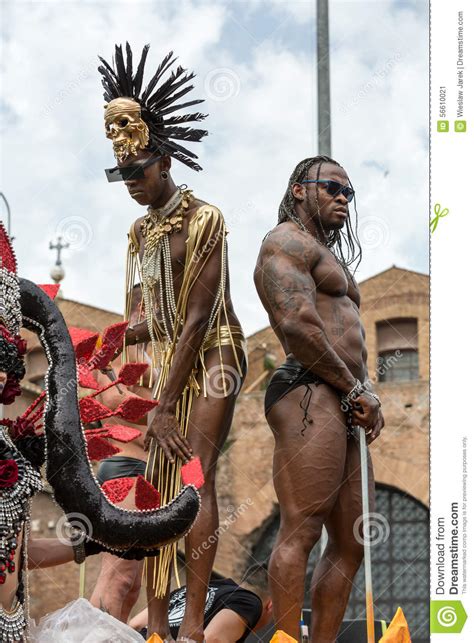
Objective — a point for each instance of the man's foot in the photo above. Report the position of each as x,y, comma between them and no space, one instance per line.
196,635
166,638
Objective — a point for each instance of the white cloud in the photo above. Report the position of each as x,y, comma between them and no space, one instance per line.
54,149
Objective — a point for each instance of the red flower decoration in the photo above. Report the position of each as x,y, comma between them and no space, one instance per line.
86,379
146,496
100,449
7,256
84,342
191,473
117,490
21,345
8,473
21,428
129,374
11,390
92,410
16,340
50,289
122,433
134,408
112,338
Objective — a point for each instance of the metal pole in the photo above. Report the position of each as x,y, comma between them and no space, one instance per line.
369,600
9,218
324,96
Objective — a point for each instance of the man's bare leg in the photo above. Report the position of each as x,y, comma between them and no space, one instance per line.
210,422
132,596
157,607
209,425
333,576
116,580
308,472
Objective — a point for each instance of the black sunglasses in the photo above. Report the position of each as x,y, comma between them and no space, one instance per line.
334,188
134,171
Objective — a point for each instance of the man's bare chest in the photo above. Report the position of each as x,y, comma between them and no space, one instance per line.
333,280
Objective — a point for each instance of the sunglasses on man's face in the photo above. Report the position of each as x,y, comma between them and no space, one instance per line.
334,188
129,172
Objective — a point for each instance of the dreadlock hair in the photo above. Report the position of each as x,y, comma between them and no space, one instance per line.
158,102
256,577
345,244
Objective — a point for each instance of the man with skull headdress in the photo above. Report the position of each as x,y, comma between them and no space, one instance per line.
178,253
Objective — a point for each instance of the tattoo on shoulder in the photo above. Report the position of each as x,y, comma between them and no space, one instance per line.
283,291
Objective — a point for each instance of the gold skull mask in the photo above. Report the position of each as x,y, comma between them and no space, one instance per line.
125,127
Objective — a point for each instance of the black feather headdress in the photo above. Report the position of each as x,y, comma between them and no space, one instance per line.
157,102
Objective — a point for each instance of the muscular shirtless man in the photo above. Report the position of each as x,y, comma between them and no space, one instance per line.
312,300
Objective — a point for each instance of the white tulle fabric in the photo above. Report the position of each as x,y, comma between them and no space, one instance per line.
80,622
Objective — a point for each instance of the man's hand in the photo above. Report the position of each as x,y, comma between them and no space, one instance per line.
164,429
365,410
375,431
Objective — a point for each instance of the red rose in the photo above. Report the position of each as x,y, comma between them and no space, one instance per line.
21,428
4,332
11,391
21,346
8,473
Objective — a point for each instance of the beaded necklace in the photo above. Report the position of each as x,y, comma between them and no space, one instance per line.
156,227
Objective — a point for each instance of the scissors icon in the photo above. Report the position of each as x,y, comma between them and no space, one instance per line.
438,215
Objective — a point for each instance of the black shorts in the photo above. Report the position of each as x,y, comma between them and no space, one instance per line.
287,377
120,467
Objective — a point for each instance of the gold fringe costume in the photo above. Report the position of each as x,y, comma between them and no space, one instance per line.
206,229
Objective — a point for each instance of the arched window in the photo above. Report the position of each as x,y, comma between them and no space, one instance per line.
397,349
400,563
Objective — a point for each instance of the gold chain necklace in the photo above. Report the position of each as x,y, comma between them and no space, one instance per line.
165,220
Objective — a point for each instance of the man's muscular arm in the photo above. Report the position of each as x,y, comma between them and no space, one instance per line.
290,297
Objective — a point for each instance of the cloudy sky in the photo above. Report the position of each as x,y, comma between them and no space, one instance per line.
255,65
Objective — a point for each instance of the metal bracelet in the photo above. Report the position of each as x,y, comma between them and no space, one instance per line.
375,396
355,391
346,400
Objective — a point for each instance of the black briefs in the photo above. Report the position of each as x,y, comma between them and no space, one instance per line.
287,377
120,467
